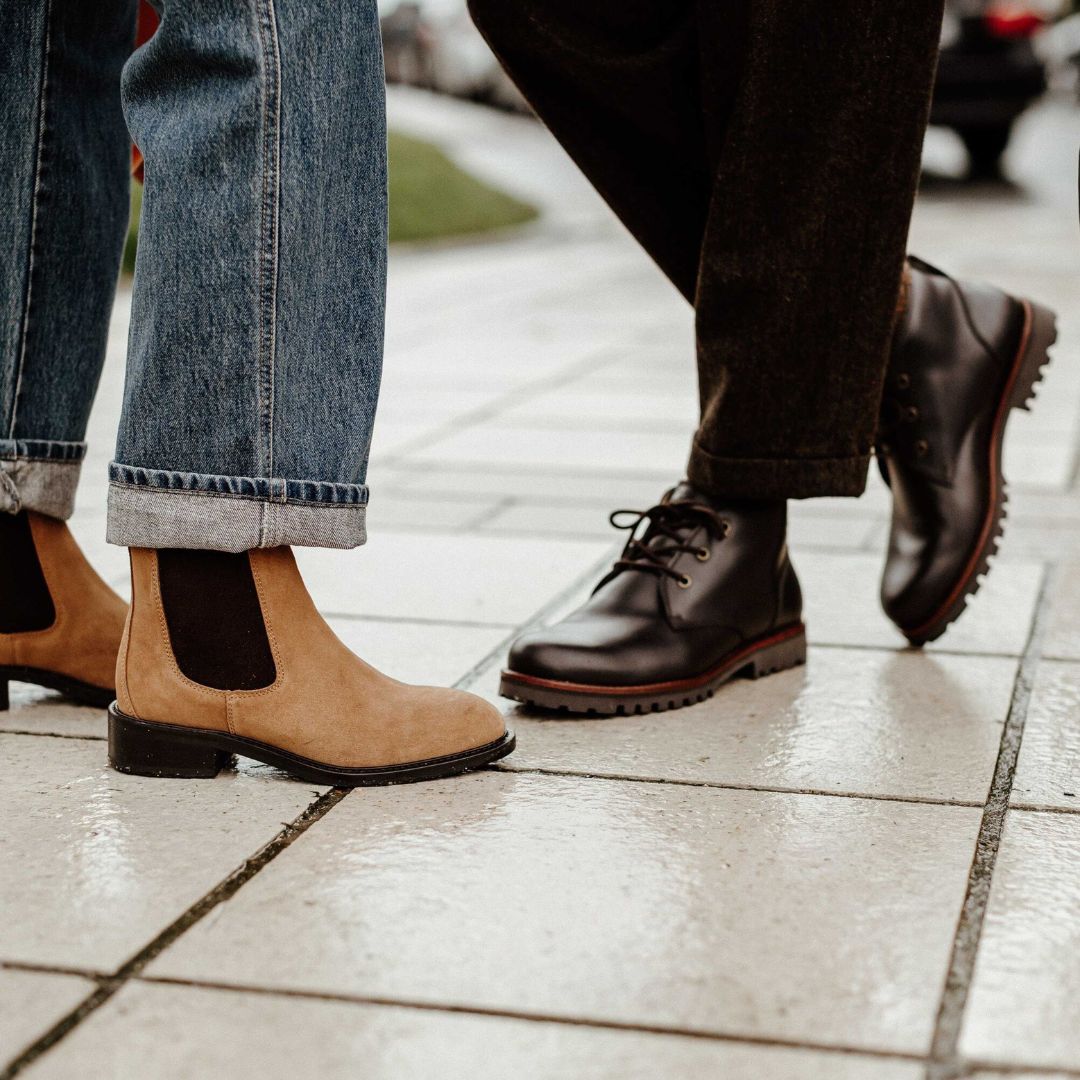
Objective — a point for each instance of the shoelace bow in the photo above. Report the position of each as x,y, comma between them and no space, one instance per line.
664,537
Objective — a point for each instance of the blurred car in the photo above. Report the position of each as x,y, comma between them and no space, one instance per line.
436,46
989,73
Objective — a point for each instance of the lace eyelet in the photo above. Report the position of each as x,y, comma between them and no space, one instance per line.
922,448
911,413
727,529
903,381
703,554
685,581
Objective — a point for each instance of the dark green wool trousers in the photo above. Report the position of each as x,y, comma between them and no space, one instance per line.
766,154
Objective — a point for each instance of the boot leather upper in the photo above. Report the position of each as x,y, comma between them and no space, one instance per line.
639,628
83,641
325,704
953,351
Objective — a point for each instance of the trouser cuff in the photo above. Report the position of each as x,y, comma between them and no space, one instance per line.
776,478
40,475
154,509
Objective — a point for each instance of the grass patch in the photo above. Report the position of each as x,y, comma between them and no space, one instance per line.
430,199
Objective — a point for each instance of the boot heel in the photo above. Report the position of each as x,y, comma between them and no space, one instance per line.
5,701
1040,335
146,749
786,653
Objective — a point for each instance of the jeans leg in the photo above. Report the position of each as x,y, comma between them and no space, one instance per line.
64,160
257,316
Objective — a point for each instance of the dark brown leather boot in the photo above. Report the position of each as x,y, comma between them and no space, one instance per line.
963,358
60,624
706,594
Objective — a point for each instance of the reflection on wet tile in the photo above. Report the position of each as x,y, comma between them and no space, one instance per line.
31,1002
45,712
1048,771
842,606
787,916
146,1031
1024,1006
856,721
101,863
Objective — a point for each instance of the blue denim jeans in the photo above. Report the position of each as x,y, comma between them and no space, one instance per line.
257,317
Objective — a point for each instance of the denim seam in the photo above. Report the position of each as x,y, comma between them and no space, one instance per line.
41,460
265,500
39,159
266,19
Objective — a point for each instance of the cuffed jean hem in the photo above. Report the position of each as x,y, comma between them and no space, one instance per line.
776,478
40,475
155,509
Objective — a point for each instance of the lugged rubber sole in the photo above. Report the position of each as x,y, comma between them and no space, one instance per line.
1033,355
78,691
777,652
149,748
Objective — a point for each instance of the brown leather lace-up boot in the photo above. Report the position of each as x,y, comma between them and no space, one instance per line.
226,654
964,356
60,624
705,594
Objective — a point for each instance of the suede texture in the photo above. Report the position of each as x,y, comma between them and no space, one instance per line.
325,704
82,641
766,155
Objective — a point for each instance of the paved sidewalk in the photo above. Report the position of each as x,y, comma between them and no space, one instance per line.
776,884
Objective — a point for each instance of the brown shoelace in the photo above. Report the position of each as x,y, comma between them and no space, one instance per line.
665,536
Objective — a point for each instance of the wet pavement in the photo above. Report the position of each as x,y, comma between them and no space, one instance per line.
866,868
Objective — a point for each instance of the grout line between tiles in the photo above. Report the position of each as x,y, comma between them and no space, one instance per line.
504,503
537,619
1036,808
945,1063
54,969
628,778
53,735
594,359
224,890
379,1002
535,1017
1020,1071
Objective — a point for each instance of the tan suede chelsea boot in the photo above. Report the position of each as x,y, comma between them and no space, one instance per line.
60,624
226,654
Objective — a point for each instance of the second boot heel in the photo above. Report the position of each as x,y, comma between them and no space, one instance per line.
144,749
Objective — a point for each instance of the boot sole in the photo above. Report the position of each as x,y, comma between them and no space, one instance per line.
777,652
78,691
148,748
1039,335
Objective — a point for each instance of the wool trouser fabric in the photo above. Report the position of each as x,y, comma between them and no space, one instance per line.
766,154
